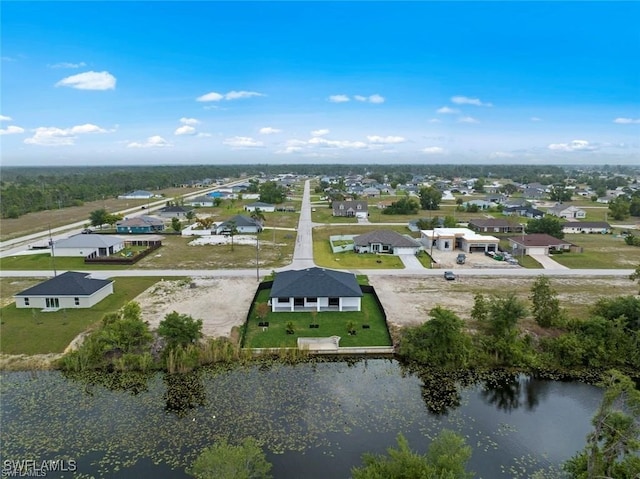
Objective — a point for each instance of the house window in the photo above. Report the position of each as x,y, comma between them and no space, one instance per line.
52,302
341,207
312,300
334,301
298,301
26,301
359,207
76,301
283,300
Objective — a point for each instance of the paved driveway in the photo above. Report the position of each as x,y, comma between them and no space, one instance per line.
547,262
410,261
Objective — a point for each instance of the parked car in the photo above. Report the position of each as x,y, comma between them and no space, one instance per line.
449,276
461,258
87,231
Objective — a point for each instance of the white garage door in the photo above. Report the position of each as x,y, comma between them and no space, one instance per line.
536,250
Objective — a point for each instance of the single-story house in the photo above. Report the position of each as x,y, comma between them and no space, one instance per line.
538,243
243,224
140,224
525,211
385,241
68,290
357,208
202,201
371,192
586,227
567,212
315,289
464,239
174,212
137,195
264,207
87,246
495,225
482,204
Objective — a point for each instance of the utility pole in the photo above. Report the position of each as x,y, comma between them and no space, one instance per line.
53,252
257,259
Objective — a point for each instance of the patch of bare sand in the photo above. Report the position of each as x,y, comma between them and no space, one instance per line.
221,303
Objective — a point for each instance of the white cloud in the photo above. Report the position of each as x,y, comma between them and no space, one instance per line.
189,121
11,130
386,140
433,150
5,118
68,65
321,132
341,144
232,95
445,110
465,100
575,145
185,130
535,118
267,130
360,98
152,142
90,81
338,98
467,119
435,120
52,136
626,121
238,142
375,98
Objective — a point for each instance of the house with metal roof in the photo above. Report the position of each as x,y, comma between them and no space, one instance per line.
88,246
140,225
70,290
137,195
385,241
315,289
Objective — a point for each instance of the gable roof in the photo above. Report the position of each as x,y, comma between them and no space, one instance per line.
315,282
260,204
559,208
89,241
70,283
388,237
140,221
350,204
492,223
586,224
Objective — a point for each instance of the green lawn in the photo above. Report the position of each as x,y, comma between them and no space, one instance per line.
324,214
599,251
45,262
331,324
30,331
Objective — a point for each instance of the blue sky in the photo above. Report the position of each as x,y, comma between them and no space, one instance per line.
312,82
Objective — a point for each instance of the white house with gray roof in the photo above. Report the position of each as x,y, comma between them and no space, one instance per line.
93,245
385,241
315,289
69,290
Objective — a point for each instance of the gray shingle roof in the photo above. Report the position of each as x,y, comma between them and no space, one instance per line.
240,220
89,241
315,282
387,237
70,283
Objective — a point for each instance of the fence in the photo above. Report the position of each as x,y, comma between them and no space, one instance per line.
153,245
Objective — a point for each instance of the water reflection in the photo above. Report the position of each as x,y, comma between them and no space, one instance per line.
508,391
184,392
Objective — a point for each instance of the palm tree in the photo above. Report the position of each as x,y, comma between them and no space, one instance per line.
258,215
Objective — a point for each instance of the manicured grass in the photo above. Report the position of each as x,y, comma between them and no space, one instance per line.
331,324
599,251
324,257
425,259
528,262
30,331
324,214
44,261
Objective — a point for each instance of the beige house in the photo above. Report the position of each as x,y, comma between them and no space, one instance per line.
451,239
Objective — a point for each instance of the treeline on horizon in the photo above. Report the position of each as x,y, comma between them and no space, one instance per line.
29,189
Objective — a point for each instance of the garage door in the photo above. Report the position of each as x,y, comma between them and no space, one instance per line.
536,250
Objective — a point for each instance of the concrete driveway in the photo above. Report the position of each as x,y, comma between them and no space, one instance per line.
547,262
410,261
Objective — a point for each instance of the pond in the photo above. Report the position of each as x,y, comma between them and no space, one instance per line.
315,420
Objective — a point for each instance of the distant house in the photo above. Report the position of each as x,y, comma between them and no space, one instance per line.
140,225
69,290
243,224
496,198
264,207
174,212
464,239
385,241
88,246
567,212
315,289
482,204
202,201
137,195
537,244
524,211
371,192
586,227
353,208
534,193
495,225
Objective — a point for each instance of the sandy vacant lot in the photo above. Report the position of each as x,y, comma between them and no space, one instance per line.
223,302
